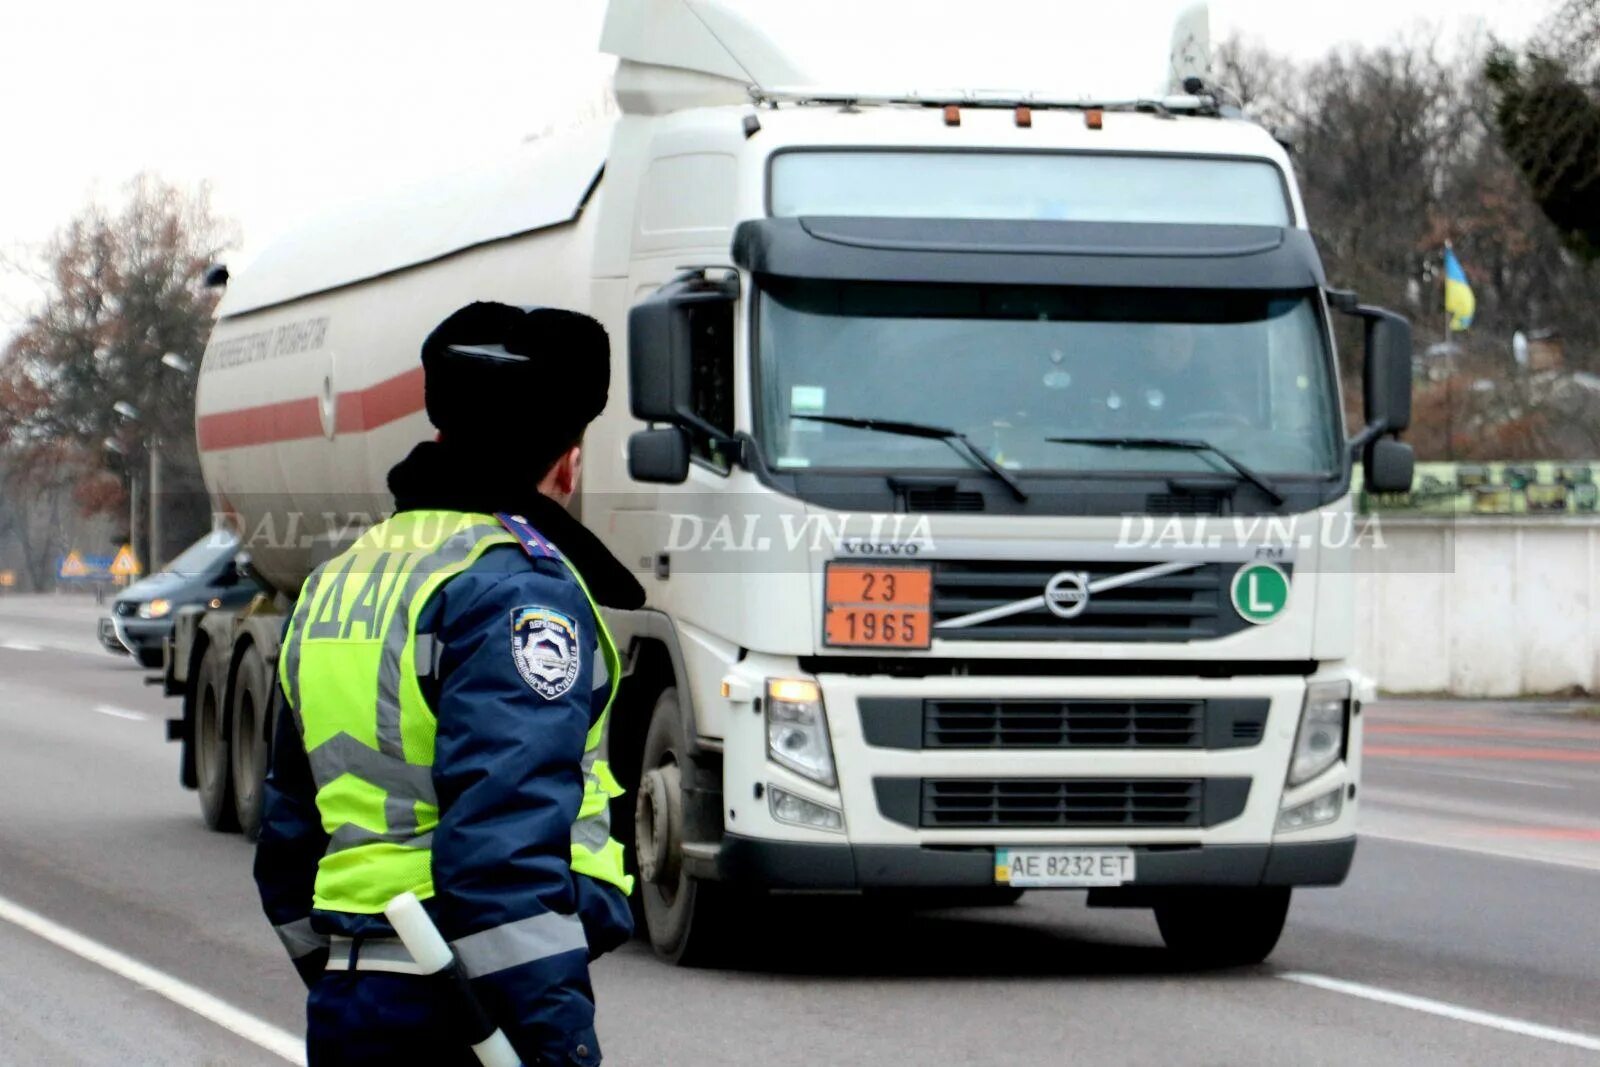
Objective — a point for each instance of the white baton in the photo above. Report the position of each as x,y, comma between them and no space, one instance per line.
423,940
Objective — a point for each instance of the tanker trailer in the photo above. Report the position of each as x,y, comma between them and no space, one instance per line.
311,389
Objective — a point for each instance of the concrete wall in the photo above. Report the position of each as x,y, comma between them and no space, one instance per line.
1480,607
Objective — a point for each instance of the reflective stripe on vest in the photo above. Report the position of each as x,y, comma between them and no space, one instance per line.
594,852
349,671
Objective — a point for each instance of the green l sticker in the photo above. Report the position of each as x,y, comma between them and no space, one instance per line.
1260,590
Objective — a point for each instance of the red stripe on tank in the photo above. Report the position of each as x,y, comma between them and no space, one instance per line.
357,411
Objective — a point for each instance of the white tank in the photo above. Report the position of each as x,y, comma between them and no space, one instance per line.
311,384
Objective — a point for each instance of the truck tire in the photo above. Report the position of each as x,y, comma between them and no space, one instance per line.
686,918
212,765
1224,927
250,732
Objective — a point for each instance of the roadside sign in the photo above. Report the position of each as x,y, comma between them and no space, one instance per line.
1260,590
126,565
73,566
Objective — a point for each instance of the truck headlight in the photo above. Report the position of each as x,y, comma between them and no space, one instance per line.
797,729
1320,742
159,608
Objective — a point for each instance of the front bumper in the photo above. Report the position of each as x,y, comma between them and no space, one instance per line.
133,635
805,865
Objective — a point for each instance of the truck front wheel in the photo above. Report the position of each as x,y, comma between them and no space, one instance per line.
212,765
686,918
1223,927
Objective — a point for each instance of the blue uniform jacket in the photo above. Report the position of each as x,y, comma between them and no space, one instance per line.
508,776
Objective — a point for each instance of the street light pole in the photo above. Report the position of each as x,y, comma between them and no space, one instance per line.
133,509
155,560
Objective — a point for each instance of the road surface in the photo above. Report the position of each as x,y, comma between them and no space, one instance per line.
1469,932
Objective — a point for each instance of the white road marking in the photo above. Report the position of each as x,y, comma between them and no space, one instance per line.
121,713
1497,778
256,1031
1447,1011
20,646
1576,863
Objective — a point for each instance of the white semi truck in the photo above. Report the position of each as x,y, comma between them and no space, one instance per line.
982,454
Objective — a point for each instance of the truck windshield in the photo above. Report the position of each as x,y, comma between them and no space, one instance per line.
1014,366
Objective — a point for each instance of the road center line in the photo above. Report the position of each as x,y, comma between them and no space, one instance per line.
1447,1011
121,713
254,1030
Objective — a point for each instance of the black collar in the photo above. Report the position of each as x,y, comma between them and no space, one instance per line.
435,477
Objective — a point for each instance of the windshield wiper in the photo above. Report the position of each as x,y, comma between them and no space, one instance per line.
1177,444
954,438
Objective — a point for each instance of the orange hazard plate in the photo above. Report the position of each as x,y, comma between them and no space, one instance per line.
877,606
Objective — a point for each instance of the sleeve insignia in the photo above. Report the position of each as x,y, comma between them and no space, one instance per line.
544,646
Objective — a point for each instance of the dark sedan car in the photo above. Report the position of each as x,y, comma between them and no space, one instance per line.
141,616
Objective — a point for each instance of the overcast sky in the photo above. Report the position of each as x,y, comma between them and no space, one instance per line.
286,107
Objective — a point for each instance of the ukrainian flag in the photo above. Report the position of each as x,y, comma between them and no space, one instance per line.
1458,299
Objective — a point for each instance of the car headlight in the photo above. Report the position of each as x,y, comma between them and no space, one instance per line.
797,729
159,608
1320,741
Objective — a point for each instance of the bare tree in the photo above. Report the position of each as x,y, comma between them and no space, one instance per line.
1547,113
124,290
1263,83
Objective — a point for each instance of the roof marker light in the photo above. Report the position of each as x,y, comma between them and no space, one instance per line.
952,114
1024,117
1094,118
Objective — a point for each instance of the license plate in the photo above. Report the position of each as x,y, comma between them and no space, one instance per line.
1061,868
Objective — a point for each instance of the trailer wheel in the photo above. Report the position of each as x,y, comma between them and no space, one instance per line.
250,733
211,743
687,919
1225,927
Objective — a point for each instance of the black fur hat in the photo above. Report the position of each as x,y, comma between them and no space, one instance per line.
528,379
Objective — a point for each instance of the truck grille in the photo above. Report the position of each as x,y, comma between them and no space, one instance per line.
1083,722
1063,723
1190,605
1063,803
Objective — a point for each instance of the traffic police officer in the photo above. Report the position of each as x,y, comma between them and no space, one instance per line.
446,683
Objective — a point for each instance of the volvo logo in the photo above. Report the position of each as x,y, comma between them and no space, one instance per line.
1067,594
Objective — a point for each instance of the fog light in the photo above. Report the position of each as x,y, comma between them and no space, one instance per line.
798,811
1313,812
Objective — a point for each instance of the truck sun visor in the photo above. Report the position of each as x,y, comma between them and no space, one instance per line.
1122,255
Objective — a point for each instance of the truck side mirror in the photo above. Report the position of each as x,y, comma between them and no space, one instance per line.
676,341
1389,465
659,455
1387,389
1386,392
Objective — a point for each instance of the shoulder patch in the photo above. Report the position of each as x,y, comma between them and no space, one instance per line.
531,540
545,648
